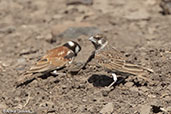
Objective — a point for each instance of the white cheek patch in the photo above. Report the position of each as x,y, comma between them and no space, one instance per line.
71,43
100,41
77,49
92,39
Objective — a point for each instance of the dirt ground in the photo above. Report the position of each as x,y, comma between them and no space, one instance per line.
28,28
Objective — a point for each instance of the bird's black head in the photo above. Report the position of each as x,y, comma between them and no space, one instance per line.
74,46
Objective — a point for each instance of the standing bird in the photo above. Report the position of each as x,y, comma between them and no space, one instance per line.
112,60
53,61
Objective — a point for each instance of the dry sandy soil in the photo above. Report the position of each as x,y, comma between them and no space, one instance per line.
28,28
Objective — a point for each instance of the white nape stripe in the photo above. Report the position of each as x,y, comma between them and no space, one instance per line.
77,49
71,43
100,41
92,39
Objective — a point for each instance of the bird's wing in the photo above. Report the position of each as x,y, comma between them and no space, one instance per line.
112,61
54,59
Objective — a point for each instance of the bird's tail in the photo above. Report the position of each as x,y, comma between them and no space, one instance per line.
135,69
123,66
25,79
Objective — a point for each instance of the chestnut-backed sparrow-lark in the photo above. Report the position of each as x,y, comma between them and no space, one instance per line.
112,60
53,61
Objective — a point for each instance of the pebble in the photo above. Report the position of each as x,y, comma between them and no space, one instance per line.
144,89
76,2
84,100
145,109
105,93
64,86
134,89
151,96
129,84
107,109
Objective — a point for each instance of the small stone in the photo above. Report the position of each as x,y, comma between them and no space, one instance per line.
145,109
75,2
64,86
107,109
105,92
152,96
84,100
129,84
144,89
134,89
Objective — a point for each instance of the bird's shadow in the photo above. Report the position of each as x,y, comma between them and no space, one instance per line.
104,80
43,76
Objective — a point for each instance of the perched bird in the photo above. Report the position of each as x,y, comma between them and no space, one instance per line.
54,60
111,59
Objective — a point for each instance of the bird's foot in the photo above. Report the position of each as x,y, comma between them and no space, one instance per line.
114,81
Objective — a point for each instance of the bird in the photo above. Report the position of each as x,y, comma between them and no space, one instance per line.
52,62
112,60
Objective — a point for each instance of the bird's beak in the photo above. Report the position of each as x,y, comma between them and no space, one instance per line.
92,39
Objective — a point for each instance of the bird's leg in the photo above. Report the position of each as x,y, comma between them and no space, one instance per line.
114,80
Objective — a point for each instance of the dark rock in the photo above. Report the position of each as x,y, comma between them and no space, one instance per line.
76,2
75,32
